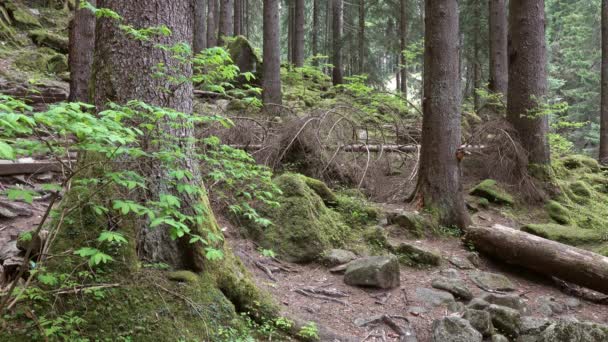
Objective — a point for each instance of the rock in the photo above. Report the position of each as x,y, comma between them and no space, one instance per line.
29,239
412,254
499,338
7,213
450,273
22,16
48,39
433,297
478,304
453,286
480,320
416,310
461,263
492,281
20,209
574,332
489,190
533,325
183,276
376,271
8,250
335,257
339,269
243,54
527,338
412,222
454,329
558,212
508,300
549,306
505,319
572,303
474,259
456,307
57,64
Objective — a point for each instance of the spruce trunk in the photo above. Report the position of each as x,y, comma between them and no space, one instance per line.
82,43
604,109
499,73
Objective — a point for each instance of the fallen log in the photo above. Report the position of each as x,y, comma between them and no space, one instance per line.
9,168
544,256
362,148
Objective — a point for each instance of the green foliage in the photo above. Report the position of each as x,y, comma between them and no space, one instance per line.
309,331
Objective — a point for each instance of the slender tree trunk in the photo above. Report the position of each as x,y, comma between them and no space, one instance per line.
246,15
82,43
271,79
528,77
212,23
238,17
200,26
476,50
439,185
298,46
604,109
499,63
290,30
315,29
226,19
361,39
124,71
403,46
337,27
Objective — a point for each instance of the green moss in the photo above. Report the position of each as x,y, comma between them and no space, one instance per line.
22,17
377,238
57,64
416,256
489,190
580,189
567,235
49,39
183,276
581,163
321,189
558,212
483,203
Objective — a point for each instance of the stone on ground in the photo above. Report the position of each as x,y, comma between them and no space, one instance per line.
432,297
412,222
413,254
549,306
461,263
376,271
454,329
530,325
450,273
478,304
489,190
453,286
492,281
509,300
335,257
505,320
574,332
499,338
480,320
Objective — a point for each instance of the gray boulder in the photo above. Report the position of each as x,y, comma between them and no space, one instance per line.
574,332
492,281
509,300
480,320
549,306
461,263
454,329
413,254
505,320
335,257
533,325
453,286
376,271
432,297
450,273
499,338
478,304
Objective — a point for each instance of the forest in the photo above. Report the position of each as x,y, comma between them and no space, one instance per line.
304,170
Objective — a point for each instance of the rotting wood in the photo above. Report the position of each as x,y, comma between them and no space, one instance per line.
9,168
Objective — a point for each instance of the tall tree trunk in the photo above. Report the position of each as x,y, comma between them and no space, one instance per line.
212,20
402,47
226,19
361,40
238,17
290,30
528,77
337,27
246,18
124,71
499,63
439,185
200,26
315,28
604,109
82,43
476,49
298,46
271,77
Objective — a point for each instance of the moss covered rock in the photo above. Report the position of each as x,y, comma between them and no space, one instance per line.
558,212
581,189
49,39
489,190
412,254
243,54
23,18
412,222
581,162
183,276
567,235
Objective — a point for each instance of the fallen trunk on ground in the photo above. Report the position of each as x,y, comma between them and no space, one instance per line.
548,257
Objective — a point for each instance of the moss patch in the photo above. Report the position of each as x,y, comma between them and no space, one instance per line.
580,189
580,162
568,235
183,277
558,212
49,39
489,190
22,17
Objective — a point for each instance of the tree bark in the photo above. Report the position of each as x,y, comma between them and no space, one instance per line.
238,17
604,109
361,40
439,184
499,63
82,44
271,79
298,46
337,27
226,25
124,71
547,257
315,29
212,20
528,77
200,26
402,47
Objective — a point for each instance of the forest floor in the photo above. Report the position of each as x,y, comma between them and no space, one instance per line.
343,318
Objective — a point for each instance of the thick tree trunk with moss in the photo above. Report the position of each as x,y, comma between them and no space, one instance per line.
271,79
337,11
528,77
499,74
82,43
604,109
439,184
547,257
